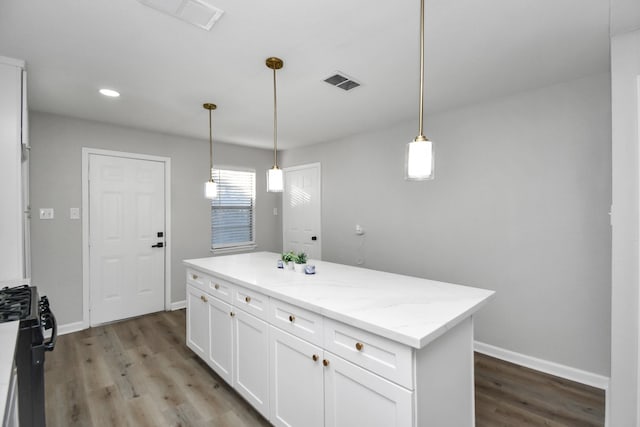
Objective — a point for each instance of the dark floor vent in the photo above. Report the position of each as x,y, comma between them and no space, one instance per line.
342,81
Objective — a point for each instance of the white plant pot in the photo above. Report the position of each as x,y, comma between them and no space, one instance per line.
300,267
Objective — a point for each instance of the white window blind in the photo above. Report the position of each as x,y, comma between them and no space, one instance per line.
233,211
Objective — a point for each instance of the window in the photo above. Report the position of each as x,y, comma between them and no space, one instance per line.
233,211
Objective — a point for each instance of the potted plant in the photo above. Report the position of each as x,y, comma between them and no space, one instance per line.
288,258
300,261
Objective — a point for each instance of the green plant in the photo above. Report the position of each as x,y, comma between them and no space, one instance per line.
288,256
301,258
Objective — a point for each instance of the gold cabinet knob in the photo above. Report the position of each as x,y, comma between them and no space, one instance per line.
232,314
247,299
203,298
217,286
315,357
325,362
359,346
292,318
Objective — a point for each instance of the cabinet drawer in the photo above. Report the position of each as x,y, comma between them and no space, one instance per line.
197,279
297,321
220,289
252,302
386,358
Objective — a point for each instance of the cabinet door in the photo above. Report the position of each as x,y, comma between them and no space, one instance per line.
296,378
356,397
11,209
251,360
197,322
220,354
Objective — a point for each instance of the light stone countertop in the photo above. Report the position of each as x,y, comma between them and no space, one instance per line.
409,310
8,340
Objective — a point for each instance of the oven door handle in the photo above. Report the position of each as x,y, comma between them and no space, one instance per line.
49,318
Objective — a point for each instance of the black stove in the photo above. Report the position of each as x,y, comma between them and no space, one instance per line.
23,304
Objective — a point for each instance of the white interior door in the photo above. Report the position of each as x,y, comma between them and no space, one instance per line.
301,207
126,225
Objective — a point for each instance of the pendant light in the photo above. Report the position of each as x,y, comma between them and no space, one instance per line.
419,153
275,182
210,187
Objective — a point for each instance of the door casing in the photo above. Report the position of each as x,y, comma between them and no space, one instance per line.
86,152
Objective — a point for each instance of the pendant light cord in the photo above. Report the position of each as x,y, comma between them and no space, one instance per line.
421,65
210,149
275,122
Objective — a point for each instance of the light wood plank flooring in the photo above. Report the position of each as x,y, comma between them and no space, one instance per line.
139,372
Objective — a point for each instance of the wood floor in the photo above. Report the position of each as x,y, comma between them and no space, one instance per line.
511,395
139,372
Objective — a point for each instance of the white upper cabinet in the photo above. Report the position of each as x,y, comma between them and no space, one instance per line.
12,131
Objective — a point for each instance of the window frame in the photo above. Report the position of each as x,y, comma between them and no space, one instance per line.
237,246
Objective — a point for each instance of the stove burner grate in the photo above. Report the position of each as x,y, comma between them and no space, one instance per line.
15,303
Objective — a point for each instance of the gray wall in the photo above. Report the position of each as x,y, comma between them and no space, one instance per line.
56,160
519,205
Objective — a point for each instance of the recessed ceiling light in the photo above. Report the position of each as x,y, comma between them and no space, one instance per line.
109,92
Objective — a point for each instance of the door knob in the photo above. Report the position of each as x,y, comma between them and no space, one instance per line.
158,245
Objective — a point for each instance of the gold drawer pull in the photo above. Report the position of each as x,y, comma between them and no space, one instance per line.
359,346
247,299
325,362
292,318
194,276
232,314
315,357
217,286
203,298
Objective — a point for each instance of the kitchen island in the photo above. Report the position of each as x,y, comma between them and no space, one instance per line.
345,346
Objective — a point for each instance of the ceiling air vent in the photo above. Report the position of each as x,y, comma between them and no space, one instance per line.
196,12
342,81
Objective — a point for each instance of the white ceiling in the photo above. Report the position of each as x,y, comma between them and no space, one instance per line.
166,68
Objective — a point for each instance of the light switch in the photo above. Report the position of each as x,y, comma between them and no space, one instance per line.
74,213
46,213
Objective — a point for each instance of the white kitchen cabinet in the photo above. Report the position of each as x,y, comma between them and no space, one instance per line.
14,253
197,321
11,416
296,380
251,360
315,388
234,343
220,353
354,396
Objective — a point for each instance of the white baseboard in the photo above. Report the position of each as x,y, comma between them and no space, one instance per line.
71,327
552,368
178,305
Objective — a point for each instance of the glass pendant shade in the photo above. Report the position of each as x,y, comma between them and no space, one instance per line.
210,189
419,160
275,181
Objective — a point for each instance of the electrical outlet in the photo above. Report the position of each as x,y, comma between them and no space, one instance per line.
74,213
46,213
